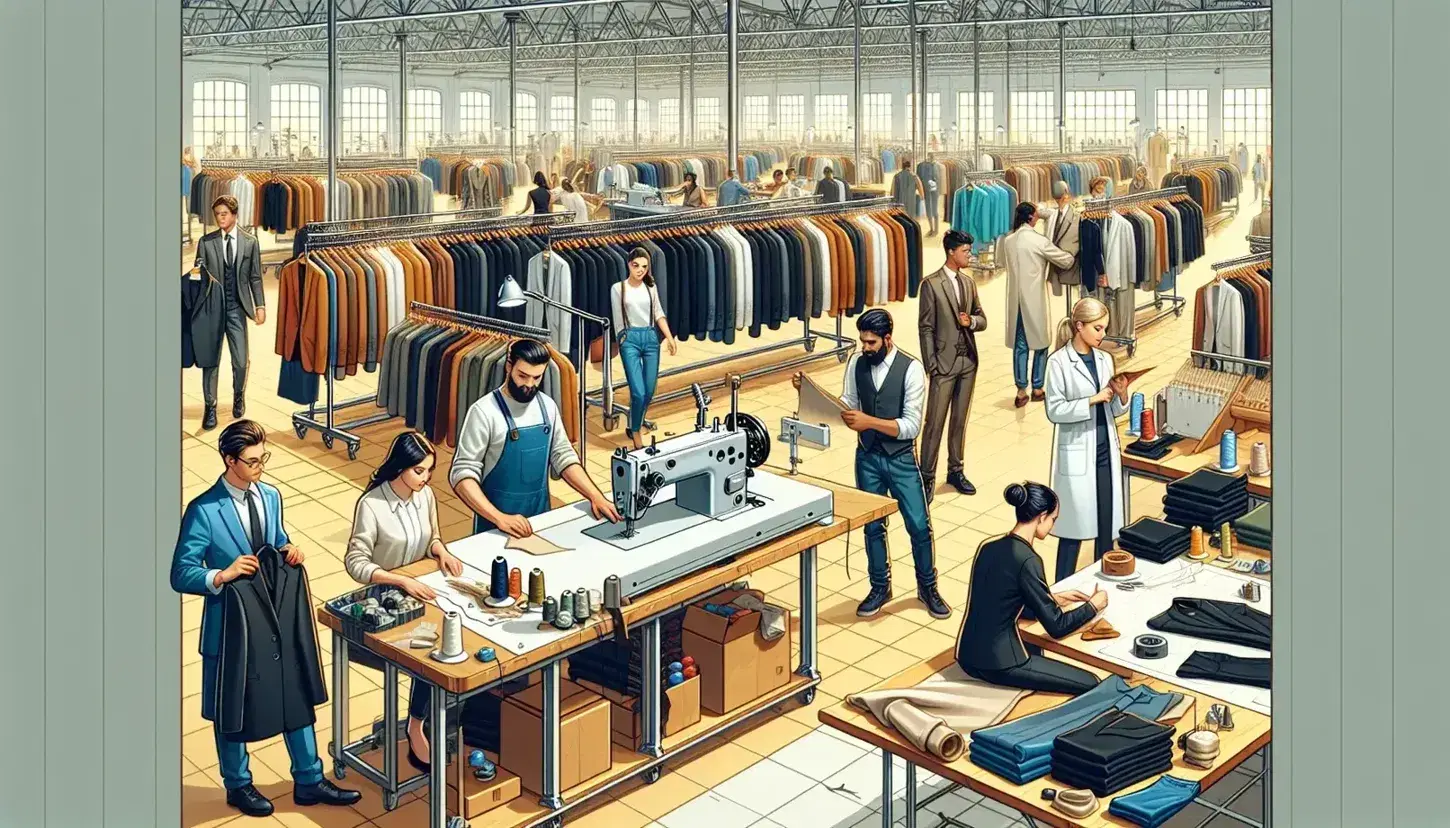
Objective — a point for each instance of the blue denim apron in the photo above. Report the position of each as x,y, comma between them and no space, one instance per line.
519,483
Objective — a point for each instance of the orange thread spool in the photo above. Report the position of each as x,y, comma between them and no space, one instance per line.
516,583
1150,424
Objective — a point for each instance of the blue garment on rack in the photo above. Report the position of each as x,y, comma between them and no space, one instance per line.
1155,804
433,168
888,161
752,168
1031,737
186,175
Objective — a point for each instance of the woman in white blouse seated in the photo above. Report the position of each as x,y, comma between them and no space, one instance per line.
396,524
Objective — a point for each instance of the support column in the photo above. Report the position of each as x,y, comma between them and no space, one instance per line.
687,114
915,90
921,100
332,112
732,83
550,797
856,92
634,118
680,109
578,120
1061,87
512,19
1007,102
976,92
402,96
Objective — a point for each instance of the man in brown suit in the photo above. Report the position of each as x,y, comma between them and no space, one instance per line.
950,318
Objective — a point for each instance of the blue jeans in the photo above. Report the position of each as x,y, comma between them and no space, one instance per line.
1019,360
1155,804
236,763
899,477
640,352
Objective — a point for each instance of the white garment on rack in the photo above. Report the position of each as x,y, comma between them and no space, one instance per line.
1223,324
736,261
556,282
1119,258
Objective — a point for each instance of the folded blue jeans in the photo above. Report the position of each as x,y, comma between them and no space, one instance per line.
1031,736
1014,772
1155,804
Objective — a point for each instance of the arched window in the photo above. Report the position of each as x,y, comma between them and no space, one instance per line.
601,119
424,118
526,115
297,118
475,116
561,115
219,118
364,119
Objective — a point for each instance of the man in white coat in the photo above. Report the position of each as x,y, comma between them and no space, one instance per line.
1027,255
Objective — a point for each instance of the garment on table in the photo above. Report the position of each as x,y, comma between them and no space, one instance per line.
1230,622
1253,672
935,714
1111,752
1256,527
1155,804
1154,540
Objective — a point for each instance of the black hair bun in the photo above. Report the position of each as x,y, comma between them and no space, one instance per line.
1015,495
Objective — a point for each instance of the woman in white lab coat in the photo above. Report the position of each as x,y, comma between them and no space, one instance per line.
1027,253
1083,403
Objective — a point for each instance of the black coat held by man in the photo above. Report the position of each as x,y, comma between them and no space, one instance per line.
203,319
271,671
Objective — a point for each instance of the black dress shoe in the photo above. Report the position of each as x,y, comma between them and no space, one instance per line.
875,600
208,420
418,764
324,793
249,801
239,408
937,607
959,481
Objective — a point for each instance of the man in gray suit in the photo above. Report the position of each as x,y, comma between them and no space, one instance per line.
1062,230
234,258
927,172
950,316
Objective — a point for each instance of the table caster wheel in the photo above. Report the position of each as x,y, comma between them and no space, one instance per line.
652,775
555,822
327,440
1178,311
339,771
352,451
810,346
300,430
843,356
807,695
457,822
390,801
611,423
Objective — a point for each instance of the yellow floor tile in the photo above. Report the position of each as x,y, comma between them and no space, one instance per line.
846,682
670,792
885,628
611,813
722,760
769,735
849,645
887,662
926,643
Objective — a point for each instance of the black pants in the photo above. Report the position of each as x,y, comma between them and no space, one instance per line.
1067,548
1040,673
236,334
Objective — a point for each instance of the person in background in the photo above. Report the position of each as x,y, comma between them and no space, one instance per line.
571,200
694,196
1008,582
884,389
511,439
234,258
637,313
540,199
777,180
831,189
1098,188
732,192
926,171
1064,225
553,182
794,186
222,532
1259,177
395,525
949,318
1027,254
906,189
1084,399
1140,180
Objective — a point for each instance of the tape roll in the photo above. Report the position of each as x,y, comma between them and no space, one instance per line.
1150,646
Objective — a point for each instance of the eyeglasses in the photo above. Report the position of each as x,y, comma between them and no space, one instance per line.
256,463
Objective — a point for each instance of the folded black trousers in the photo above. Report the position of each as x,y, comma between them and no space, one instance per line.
1252,672
1112,736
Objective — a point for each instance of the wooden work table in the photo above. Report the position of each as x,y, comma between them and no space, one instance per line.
1250,734
1179,463
853,509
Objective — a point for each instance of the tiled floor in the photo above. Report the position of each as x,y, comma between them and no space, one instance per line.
782,772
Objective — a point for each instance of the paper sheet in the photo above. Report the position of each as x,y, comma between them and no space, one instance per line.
817,405
534,544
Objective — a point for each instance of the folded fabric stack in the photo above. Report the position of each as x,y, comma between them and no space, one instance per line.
1021,751
619,666
1111,752
1206,498
1254,528
1201,748
1153,540
1155,449
1155,804
1250,672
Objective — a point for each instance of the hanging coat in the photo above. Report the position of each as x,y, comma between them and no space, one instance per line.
203,320
1075,443
904,192
1027,254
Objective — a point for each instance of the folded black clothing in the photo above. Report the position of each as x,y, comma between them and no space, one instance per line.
1155,453
1188,501
1229,622
1252,672
1152,752
1130,545
1162,441
1154,532
1210,483
1108,787
1158,556
1212,519
1110,735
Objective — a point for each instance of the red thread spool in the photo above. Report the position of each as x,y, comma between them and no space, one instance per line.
516,583
691,672
688,661
1150,425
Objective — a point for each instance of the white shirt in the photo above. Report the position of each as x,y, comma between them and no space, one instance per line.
389,532
239,500
481,440
229,234
909,423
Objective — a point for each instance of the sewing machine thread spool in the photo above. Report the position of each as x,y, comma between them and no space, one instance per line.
536,587
551,610
1226,542
1228,451
581,604
1198,544
1135,414
613,597
1259,462
1149,426
498,588
566,601
450,648
516,585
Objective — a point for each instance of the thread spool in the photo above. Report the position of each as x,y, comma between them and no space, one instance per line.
581,604
536,589
1259,462
566,601
550,609
613,596
498,584
516,583
1226,542
1149,427
450,650
1198,544
1150,646
1228,451
596,600
1135,414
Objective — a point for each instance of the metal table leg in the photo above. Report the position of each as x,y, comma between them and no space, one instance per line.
551,798
810,622
1268,783
339,705
887,791
390,734
437,758
650,698
910,794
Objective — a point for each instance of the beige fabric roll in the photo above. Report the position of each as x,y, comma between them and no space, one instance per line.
934,715
1076,804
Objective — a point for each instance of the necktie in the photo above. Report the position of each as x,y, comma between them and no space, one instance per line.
254,517
229,250
962,294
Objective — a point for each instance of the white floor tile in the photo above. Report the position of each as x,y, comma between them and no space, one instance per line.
983,817
817,755
767,823
764,786
710,809
850,740
863,779
820,808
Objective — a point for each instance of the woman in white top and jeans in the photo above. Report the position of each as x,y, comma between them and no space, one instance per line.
637,312
396,524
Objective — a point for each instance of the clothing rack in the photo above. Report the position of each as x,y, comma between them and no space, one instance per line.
1175,301
403,221
1207,356
324,419
1243,261
1260,244
808,206
1210,161
971,177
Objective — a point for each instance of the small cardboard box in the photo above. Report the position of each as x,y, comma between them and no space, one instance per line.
584,742
737,665
482,797
627,725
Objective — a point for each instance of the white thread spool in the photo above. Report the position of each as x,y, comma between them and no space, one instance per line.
1259,463
450,651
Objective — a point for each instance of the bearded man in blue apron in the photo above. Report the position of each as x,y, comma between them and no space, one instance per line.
509,442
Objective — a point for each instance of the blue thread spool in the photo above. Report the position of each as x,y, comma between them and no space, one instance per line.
1228,451
1135,415
675,667
676,679
498,588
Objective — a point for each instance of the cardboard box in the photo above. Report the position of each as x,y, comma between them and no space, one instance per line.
584,742
481,797
737,665
627,725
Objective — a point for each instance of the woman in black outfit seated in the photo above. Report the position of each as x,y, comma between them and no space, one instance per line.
1008,582
540,198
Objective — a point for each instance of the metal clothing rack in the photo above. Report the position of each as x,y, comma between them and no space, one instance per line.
748,211
1174,300
1260,244
974,177
1258,257
324,419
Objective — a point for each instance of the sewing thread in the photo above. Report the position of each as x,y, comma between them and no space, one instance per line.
498,587
1228,451
1135,414
536,587
1149,425
452,645
516,583
581,604
1259,463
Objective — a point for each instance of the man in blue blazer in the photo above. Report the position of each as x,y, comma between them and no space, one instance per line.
221,532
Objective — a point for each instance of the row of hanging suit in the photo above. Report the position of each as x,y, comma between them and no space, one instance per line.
983,209
1140,246
722,279
1213,186
813,166
1233,316
478,182
283,203
1034,181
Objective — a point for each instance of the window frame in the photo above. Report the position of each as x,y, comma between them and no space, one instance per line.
475,116
377,113
1180,112
297,117
1032,117
207,120
418,123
